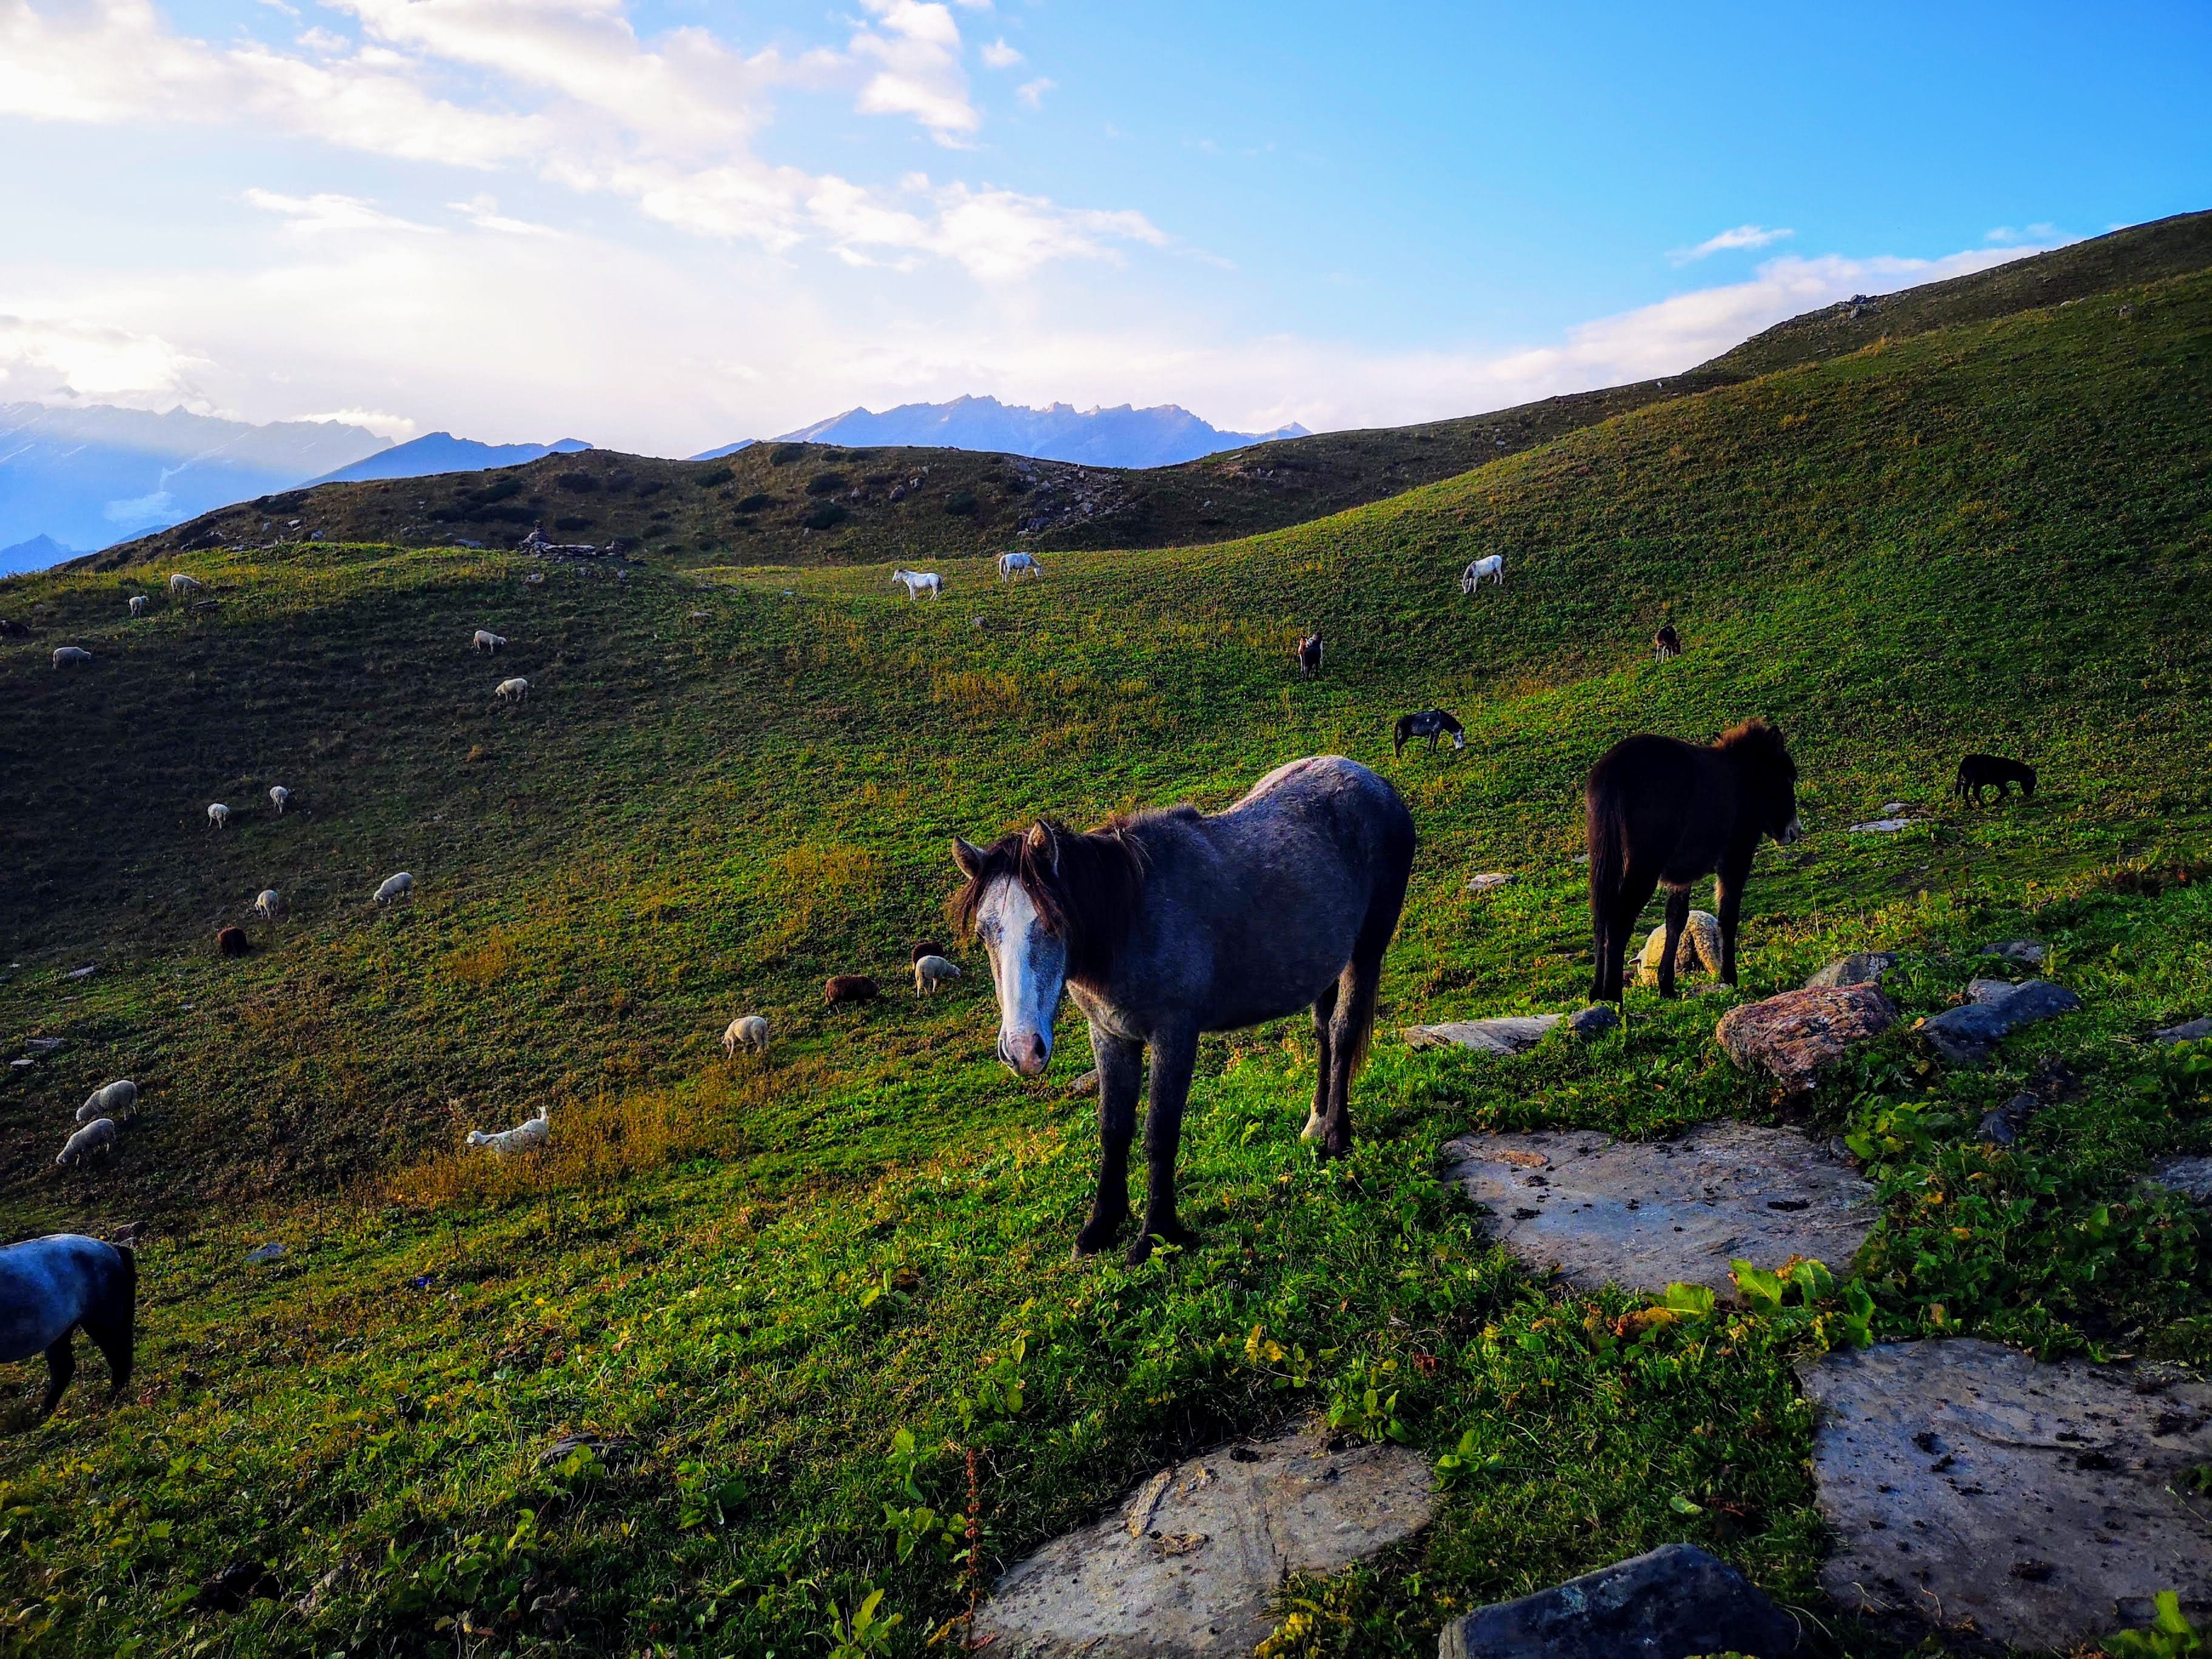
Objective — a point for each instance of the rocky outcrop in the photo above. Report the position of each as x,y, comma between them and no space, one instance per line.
1791,1036
2193,1030
1964,1035
1673,1602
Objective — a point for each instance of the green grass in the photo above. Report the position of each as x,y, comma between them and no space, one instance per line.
756,1274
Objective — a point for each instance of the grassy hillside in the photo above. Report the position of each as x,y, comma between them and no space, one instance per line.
809,504
744,1278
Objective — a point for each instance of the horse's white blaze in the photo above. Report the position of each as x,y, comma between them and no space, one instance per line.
1028,967
1459,739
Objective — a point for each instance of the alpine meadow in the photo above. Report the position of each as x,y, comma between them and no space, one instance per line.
785,1352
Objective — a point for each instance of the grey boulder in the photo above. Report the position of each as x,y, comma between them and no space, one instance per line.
1673,1603
2019,949
1965,1035
1860,967
2190,1176
2192,1030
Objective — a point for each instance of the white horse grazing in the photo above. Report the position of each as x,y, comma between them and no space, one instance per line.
487,641
1011,565
218,815
746,1031
513,691
919,582
394,887
1492,566
71,653
526,1136
268,904
930,972
137,604
180,583
279,797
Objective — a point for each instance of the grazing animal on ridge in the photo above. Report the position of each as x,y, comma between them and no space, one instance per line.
97,1136
1491,565
395,887
1148,925
1658,810
13,630
747,1031
513,691
841,988
51,1287
268,904
487,641
930,972
68,655
928,947
137,604
1429,723
526,1136
218,815
1014,565
1309,652
108,1099
233,942
1666,644
279,797
1980,772
180,583
919,582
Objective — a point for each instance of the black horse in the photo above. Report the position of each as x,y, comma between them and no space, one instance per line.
1660,810
1429,723
1171,923
1980,772
1309,653
1666,643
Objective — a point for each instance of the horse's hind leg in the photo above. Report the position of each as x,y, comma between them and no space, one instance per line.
1324,1010
1120,1074
1175,1055
1637,888
114,1339
61,1365
1678,917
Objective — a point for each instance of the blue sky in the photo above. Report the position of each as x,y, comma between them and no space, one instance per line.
668,224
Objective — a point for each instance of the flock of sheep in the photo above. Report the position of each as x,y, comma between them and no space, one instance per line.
98,1129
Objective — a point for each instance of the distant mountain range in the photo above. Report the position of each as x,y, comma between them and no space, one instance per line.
1120,436
441,451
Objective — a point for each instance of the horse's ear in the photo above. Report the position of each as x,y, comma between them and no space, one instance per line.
1043,843
968,857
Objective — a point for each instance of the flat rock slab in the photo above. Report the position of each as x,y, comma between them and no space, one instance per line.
1790,1037
1647,1214
1965,1035
2193,1030
2190,1176
1672,1603
1967,1484
1883,826
2032,952
1189,1563
1508,1034
1489,881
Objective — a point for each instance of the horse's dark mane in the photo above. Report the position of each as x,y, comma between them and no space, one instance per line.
1085,887
1758,744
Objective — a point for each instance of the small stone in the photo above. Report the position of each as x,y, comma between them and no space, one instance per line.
265,1252
2194,1030
2190,1176
1087,1083
1675,1602
1489,880
1792,1036
2019,949
2003,1126
1964,1035
1593,1022
1510,1034
1886,826
1860,967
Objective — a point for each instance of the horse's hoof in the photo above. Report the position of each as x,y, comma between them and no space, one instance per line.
1316,1126
1096,1237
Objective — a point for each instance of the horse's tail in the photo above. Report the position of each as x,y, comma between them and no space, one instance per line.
130,1275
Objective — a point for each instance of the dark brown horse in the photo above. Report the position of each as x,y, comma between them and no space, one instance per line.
1980,772
1658,810
1666,643
1309,655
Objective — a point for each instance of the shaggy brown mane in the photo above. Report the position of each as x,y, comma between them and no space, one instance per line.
1755,740
1085,888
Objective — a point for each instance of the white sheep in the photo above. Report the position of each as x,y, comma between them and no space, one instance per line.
97,1136
930,972
137,604
513,691
525,1137
268,904
488,641
180,583
279,797
108,1099
67,654
394,886
218,815
746,1031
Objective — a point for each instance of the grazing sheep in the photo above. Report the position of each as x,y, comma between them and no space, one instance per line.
849,988
930,972
268,904
747,1031
97,1136
50,1286
218,815
137,604
233,942
180,583
279,797
513,691
525,1137
68,654
108,1099
394,886
487,642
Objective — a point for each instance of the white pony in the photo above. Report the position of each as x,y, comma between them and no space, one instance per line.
919,582
137,604
746,1031
1011,565
526,1136
394,886
218,815
513,691
1492,566
279,796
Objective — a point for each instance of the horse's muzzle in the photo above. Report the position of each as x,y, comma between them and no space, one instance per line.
1793,830
1028,1055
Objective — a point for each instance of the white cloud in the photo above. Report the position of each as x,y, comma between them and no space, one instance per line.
999,55
2006,234
53,358
1743,236
1032,92
398,428
310,215
483,212
917,47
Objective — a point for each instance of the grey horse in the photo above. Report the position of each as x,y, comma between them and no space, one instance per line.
51,1285
1167,924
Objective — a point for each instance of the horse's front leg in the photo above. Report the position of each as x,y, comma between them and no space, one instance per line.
61,1365
1120,1074
1729,901
1175,1055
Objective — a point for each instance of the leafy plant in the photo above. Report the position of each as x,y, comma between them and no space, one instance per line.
2170,1635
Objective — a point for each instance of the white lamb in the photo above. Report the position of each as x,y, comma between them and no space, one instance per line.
488,641
394,887
746,1031
525,1137
180,583
513,690
268,904
97,1136
930,972
68,654
108,1099
137,604
279,797
218,815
